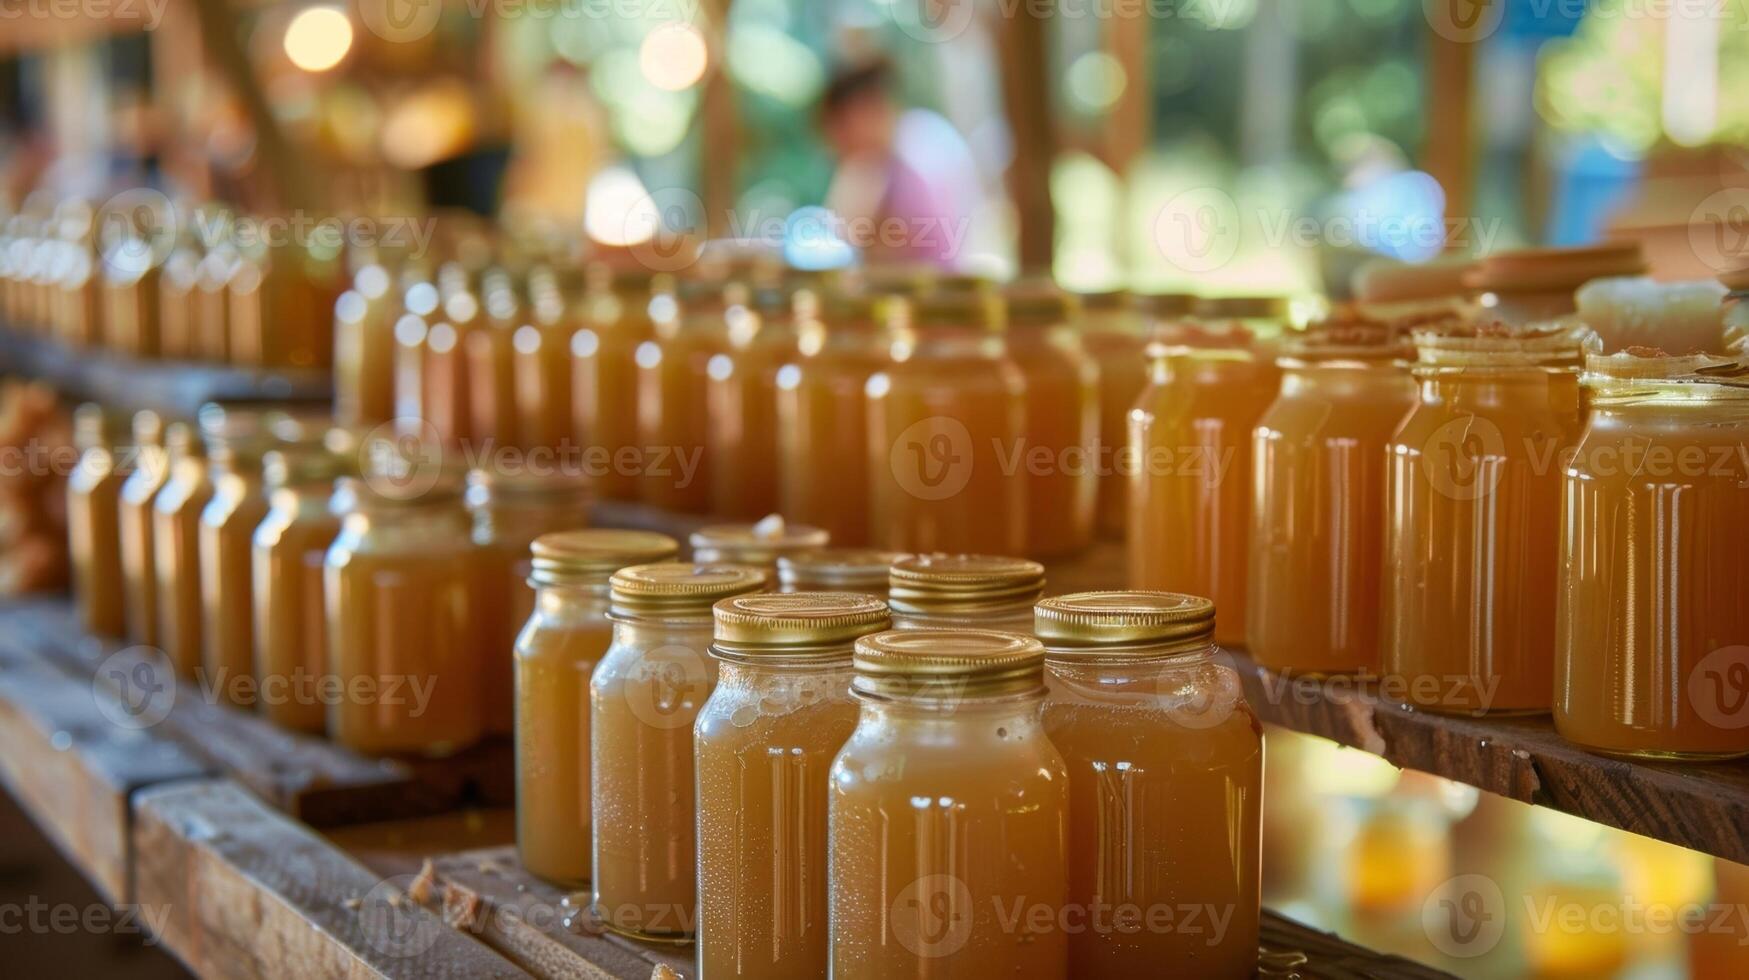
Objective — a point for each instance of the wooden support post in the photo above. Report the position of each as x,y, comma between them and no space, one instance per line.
1026,98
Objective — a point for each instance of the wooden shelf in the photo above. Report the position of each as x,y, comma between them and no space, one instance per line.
173,389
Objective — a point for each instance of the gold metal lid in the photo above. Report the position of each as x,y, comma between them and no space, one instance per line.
506,486
973,309
1459,344
854,569
679,589
1530,270
938,583
1165,304
1086,625
1106,300
755,544
1038,304
566,557
948,664
799,623
1245,307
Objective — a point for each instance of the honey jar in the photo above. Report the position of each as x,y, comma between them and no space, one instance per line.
1652,634
128,281
236,439
1473,489
558,648
364,351
1524,286
138,561
210,309
938,591
1318,515
760,544
93,527
945,420
643,699
490,389
836,570
604,375
741,392
765,743
541,359
1113,334
445,383
176,302
279,294
673,413
1165,764
1059,451
948,814
176,514
419,303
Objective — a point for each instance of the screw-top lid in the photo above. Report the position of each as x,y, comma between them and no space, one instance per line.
948,664
1244,307
755,544
679,590
566,557
852,569
1038,304
938,583
978,309
1555,269
1088,625
1165,305
772,624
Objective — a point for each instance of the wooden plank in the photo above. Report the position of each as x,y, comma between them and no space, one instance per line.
251,894
73,760
1289,949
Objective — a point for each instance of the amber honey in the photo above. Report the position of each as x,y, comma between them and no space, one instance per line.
176,303
1189,463
1059,453
1113,334
604,377
210,319
176,514
93,525
129,285
510,511
236,439
277,300
742,397
541,357
948,814
489,352
1652,634
643,699
945,419
1165,765
1473,485
138,561
1318,516
765,742
942,591
822,414
419,304
673,411
557,650
364,351
445,383
836,570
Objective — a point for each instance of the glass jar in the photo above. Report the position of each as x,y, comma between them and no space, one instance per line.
1473,489
445,383
490,370
129,279
1165,766
279,296
1112,334
210,320
139,571
398,583
822,413
765,743
420,303
948,814
1652,633
741,391
937,591
236,439
836,570
364,351
1523,286
176,302
604,376
1318,513
509,512
945,418
673,413
1189,462
760,544
1059,453
643,699
1397,291
305,507
176,514
541,358
93,528
558,648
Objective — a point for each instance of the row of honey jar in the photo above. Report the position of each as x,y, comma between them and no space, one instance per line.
952,417
1480,515
820,783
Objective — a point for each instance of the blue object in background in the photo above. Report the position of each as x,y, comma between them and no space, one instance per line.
1591,184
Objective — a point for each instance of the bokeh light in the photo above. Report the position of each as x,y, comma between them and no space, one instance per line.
317,39
673,56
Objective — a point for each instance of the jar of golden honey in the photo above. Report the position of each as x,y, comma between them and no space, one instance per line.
1165,767
765,742
176,514
288,551
541,359
279,294
946,419
1524,286
490,389
364,351
236,439
445,382
741,392
128,282
511,510
643,699
1113,335
563,640
420,303
822,413
1189,456
836,570
1473,489
937,591
210,312
176,301
93,528
1318,514
673,368
948,814
604,375
399,586
1059,452
1652,634
138,561
760,544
